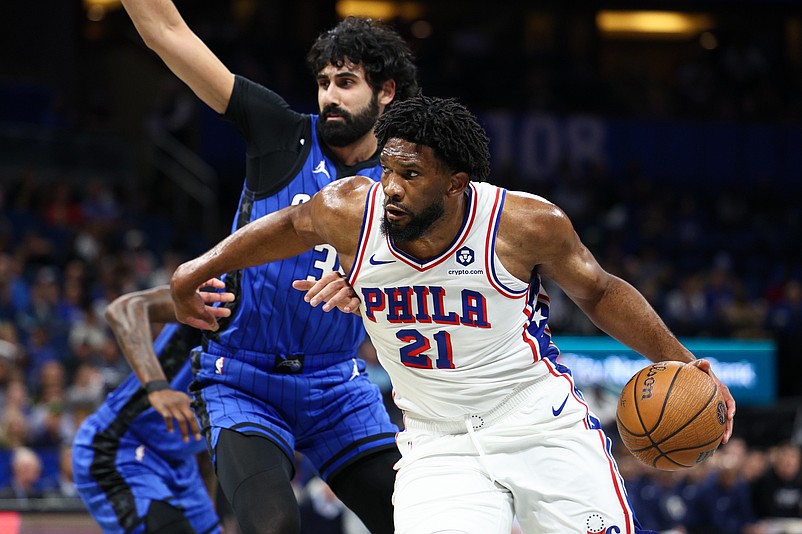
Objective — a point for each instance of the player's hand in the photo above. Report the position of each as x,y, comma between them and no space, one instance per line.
210,297
174,406
195,309
704,365
333,290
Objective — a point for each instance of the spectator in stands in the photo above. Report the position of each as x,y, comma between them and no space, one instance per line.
112,365
655,496
8,366
26,473
14,290
40,349
62,484
778,493
685,307
14,429
51,424
744,317
785,321
723,504
87,387
755,465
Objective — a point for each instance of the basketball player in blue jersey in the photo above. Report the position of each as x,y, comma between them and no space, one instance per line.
132,475
279,375
448,269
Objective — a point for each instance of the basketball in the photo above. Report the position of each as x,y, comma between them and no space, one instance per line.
671,416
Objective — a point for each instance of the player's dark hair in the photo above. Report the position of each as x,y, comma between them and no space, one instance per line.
445,125
379,49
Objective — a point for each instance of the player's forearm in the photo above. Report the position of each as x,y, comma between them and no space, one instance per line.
270,238
624,313
153,19
130,318
164,31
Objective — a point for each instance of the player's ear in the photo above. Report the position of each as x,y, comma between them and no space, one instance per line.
386,92
457,182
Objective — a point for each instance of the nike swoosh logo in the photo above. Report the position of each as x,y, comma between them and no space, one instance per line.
374,261
558,411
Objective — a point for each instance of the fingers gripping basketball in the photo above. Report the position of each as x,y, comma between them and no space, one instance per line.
671,416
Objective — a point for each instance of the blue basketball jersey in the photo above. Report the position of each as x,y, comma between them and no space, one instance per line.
124,458
277,367
126,415
269,315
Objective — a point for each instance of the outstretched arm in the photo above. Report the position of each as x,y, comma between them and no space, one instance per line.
333,216
166,33
613,304
130,317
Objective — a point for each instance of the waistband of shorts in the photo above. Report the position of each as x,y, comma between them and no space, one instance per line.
520,395
266,360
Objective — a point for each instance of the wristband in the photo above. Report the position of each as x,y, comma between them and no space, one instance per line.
157,385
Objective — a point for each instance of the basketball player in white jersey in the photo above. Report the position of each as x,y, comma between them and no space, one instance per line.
448,270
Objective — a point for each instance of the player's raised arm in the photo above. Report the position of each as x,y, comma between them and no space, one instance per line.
165,32
333,216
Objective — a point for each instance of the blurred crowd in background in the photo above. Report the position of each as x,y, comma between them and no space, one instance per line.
714,260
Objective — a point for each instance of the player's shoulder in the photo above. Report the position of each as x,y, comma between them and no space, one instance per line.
341,200
249,98
536,221
520,205
348,188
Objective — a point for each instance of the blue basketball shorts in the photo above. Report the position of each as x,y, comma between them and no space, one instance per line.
118,491
323,406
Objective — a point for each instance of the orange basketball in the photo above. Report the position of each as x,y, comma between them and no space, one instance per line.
671,416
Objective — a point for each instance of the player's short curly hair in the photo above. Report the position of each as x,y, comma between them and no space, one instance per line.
379,49
445,125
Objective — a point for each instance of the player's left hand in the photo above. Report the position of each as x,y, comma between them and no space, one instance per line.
704,365
211,297
197,309
333,290
176,406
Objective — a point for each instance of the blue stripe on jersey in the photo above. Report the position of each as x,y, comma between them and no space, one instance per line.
271,317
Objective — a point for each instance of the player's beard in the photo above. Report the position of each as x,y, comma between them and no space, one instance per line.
417,223
351,128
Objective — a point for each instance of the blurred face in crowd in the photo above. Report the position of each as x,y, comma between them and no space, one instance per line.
27,468
788,461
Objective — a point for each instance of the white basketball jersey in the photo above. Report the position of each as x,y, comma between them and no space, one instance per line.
456,333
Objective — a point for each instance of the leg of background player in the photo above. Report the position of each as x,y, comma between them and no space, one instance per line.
255,477
366,487
165,519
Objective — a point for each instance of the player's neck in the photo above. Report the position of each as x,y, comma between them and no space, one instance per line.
357,152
